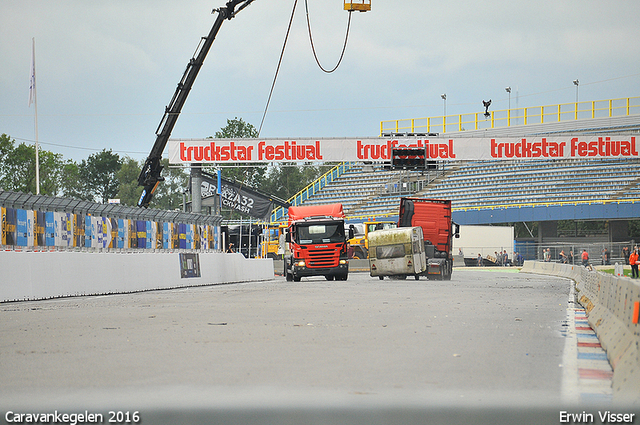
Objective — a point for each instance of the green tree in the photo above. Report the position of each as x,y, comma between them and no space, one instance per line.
18,168
128,189
287,179
99,174
72,185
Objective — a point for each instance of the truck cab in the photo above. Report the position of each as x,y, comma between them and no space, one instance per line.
317,243
434,217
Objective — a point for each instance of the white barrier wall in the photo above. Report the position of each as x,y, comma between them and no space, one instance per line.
41,275
613,308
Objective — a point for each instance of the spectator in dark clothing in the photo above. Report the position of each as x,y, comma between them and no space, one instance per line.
563,257
625,255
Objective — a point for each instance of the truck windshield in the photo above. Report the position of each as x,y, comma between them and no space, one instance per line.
321,233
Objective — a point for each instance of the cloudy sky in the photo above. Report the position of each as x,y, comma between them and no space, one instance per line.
106,69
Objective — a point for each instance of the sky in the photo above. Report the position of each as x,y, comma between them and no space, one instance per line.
105,70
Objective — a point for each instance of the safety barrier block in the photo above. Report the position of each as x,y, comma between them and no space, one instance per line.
612,304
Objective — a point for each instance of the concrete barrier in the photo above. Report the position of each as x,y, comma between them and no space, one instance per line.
612,304
42,275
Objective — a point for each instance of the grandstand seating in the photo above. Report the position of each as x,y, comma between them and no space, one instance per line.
484,184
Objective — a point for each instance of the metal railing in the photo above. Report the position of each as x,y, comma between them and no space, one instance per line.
515,117
394,214
547,204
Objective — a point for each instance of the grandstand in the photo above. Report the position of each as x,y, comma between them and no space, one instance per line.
484,184
371,191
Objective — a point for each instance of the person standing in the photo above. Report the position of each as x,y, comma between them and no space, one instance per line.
633,260
563,257
585,258
625,255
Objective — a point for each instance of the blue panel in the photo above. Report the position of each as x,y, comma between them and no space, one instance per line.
121,233
595,211
49,229
21,227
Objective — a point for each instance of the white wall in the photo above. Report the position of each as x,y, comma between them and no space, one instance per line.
41,275
485,240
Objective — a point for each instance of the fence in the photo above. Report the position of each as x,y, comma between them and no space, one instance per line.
36,222
531,250
518,116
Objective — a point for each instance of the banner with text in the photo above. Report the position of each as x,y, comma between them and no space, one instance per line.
379,149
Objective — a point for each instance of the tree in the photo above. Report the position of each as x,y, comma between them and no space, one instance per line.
285,180
18,168
99,174
237,129
128,189
71,183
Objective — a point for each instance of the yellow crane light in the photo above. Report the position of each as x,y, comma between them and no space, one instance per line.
361,6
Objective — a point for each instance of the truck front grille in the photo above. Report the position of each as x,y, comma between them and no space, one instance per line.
319,258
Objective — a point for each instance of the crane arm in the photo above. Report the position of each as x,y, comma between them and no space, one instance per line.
150,175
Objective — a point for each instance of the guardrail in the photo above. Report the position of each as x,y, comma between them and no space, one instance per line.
547,204
515,116
612,304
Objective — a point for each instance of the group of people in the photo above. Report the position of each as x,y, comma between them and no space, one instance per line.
502,259
631,258
563,257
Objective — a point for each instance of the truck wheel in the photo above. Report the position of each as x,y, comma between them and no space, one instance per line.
381,277
342,276
296,278
329,277
287,275
417,277
449,271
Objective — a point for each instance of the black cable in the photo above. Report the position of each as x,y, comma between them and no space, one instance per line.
275,77
306,5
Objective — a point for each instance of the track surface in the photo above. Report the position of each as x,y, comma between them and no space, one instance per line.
482,335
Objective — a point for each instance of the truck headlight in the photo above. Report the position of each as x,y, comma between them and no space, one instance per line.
301,263
344,261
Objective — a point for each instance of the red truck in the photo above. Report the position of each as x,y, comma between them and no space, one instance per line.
317,242
434,216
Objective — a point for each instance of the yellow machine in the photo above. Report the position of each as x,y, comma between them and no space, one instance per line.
360,244
272,245
360,6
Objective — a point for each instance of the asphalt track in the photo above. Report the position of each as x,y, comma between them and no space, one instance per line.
487,340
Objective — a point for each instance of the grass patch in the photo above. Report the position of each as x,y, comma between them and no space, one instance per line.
612,271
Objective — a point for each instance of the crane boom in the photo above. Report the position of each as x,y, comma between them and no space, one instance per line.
150,175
